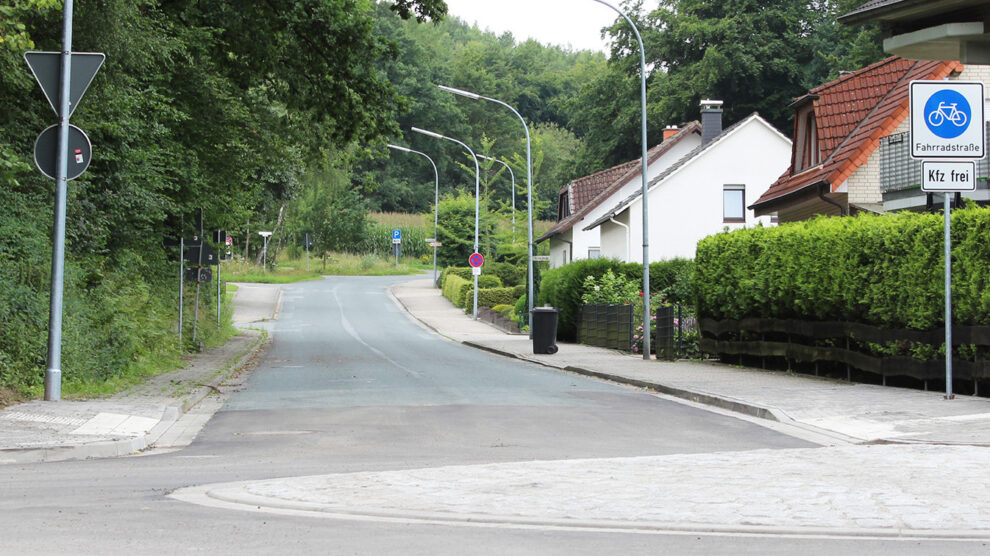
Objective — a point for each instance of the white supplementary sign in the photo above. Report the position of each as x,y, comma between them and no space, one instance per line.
948,176
541,258
947,120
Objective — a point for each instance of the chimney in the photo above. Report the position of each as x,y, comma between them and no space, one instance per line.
670,131
711,120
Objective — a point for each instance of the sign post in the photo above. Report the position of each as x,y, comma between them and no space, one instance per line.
63,88
948,132
476,260
396,244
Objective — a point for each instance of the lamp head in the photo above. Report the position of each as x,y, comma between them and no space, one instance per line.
397,147
427,132
463,93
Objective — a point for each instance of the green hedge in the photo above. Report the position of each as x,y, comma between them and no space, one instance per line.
563,287
508,273
490,297
883,270
452,286
465,294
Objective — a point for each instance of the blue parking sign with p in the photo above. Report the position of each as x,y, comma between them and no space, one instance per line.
396,234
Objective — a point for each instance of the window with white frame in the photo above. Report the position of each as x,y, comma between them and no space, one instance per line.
734,203
594,253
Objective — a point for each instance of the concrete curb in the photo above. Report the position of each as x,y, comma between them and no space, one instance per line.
132,445
234,496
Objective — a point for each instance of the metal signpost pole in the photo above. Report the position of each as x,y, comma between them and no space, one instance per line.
199,277
218,280
477,201
948,298
182,283
53,374
948,134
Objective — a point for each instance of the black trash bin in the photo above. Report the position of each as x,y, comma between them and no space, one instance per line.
544,323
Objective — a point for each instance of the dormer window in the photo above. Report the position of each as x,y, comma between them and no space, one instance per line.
563,206
807,153
810,155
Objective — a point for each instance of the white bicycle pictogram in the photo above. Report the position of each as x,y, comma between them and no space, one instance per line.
947,111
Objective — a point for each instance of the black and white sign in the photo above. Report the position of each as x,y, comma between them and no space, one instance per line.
948,176
947,120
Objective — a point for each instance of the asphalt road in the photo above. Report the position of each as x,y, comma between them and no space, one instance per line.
351,384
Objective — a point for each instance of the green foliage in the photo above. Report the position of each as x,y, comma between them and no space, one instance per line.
457,226
564,287
509,274
755,55
215,104
452,287
492,297
609,289
886,271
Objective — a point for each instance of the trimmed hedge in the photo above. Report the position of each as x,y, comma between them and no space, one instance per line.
452,286
490,297
465,295
563,287
882,270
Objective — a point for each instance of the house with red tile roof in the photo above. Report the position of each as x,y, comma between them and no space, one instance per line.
702,194
584,199
851,150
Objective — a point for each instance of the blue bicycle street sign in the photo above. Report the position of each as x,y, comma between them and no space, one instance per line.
947,120
947,114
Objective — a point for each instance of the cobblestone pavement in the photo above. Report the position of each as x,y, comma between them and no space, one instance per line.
919,491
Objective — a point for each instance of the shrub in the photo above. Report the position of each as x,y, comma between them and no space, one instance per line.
510,274
452,287
504,310
882,270
491,297
518,290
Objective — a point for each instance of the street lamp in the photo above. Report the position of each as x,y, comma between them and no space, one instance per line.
436,203
529,185
646,219
513,176
477,204
264,251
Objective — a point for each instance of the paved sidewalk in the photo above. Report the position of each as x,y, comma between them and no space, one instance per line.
856,413
139,418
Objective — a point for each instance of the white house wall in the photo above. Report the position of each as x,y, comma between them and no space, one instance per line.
616,243
687,205
560,251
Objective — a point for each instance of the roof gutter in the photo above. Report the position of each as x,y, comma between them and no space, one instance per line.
616,222
821,195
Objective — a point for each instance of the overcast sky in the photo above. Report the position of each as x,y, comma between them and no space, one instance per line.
576,23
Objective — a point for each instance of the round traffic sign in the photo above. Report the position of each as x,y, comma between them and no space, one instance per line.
476,260
947,114
79,154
